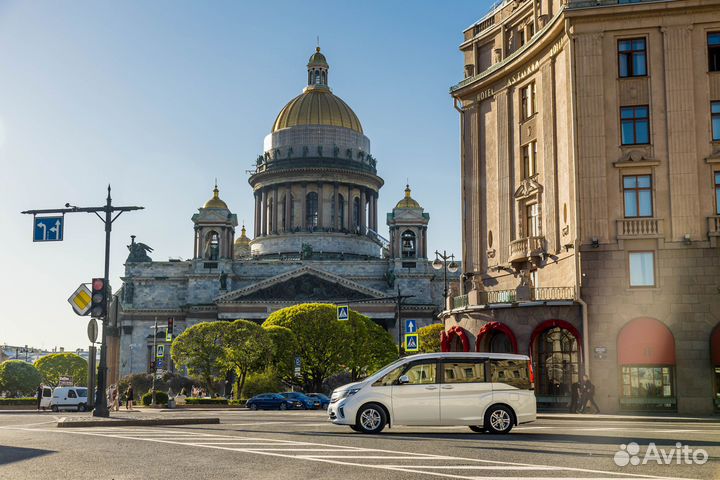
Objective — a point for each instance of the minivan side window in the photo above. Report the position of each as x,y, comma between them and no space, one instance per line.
47,392
510,372
71,394
390,377
422,373
464,372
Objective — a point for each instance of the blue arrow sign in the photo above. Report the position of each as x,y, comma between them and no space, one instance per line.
48,229
297,362
410,326
412,342
343,312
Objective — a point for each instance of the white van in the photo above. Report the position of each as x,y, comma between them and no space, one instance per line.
69,397
486,391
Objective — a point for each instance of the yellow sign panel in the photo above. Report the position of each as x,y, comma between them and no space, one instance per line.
80,300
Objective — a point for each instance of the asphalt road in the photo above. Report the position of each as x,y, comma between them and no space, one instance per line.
303,445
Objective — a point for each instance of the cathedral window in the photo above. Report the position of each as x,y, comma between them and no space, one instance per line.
212,246
311,218
408,244
356,212
339,212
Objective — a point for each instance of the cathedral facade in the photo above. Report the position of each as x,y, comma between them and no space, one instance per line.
316,238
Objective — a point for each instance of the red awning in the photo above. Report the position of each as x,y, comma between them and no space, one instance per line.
715,346
646,341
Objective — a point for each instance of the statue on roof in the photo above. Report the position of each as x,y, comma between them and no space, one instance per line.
138,252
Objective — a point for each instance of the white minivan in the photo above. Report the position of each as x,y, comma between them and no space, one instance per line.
489,392
69,397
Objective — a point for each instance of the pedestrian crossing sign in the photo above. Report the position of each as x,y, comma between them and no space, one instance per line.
343,312
412,342
160,351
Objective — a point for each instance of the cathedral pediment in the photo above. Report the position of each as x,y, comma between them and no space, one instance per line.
528,187
305,284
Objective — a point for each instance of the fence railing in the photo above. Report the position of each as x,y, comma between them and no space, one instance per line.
537,294
639,228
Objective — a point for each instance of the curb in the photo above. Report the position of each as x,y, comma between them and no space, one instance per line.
72,423
628,418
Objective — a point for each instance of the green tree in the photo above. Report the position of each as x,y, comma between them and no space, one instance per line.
321,342
430,338
200,349
368,347
248,348
18,378
57,365
285,347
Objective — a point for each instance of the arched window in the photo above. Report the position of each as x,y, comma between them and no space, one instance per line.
408,244
317,76
212,246
282,217
500,343
338,212
356,212
324,78
311,204
558,362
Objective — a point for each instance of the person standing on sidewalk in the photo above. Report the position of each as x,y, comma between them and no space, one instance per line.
39,396
588,395
129,395
575,395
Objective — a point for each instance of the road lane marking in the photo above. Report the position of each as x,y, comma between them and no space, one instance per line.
292,453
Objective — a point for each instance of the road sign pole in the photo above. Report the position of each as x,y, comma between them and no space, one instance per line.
154,368
101,408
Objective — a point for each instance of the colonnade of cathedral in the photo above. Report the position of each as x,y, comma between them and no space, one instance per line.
310,206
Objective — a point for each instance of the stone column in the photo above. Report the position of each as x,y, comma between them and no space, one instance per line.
258,219
303,202
321,210
275,210
373,210
288,207
363,212
348,208
336,210
263,215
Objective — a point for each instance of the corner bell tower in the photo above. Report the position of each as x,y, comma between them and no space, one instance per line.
214,230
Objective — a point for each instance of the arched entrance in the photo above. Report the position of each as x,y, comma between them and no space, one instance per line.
496,337
646,358
454,340
715,359
556,356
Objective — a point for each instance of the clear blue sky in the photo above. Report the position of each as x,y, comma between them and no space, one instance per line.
159,98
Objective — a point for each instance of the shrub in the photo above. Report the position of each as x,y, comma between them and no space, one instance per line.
430,337
237,403
18,401
161,398
206,401
257,383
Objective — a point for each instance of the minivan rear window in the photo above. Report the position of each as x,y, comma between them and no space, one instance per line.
464,371
511,372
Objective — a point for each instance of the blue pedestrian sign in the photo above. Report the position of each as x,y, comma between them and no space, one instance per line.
297,362
343,312
410,326
412,342
48,229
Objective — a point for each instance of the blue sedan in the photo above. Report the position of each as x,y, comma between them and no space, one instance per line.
324,400
272,401
307,402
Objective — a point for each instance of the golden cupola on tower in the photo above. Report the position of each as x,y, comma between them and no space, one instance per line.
317,105
407,201
215,201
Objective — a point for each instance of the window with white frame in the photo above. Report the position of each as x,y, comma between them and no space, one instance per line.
642,269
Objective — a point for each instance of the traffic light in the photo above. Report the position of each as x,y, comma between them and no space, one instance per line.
98,308
171,321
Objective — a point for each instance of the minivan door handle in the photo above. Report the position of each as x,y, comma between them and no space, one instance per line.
430,388
447,387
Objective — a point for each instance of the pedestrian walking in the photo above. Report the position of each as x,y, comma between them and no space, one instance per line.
588,395
129,395
115,398
574,397
39,396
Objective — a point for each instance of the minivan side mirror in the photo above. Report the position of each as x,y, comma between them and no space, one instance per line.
403,380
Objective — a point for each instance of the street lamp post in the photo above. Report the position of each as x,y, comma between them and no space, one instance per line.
447,263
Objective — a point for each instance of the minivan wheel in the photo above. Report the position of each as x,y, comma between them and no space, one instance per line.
54,408
477,428
498,419
371,418
81,407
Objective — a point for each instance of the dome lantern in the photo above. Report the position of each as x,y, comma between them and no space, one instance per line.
407,201
318,70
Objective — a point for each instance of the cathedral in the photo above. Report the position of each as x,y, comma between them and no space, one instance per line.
315,238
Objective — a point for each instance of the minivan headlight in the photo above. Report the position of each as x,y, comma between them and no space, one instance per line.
350,391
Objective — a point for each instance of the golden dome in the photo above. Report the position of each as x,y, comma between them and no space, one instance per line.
317,58
408,201
317,106
215,202
242,240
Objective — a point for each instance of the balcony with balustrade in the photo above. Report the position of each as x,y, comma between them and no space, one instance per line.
499,297
640,227
526,249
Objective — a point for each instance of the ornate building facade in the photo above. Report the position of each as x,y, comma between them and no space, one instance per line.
591,197
315,238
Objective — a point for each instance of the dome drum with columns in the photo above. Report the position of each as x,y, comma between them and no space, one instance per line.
316,186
